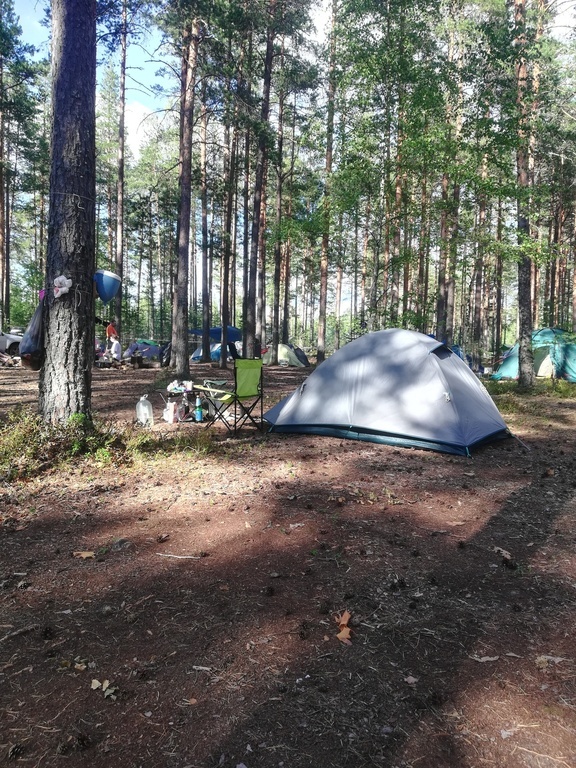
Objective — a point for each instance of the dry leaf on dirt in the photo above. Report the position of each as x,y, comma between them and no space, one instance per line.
84,555
344,634
108,690
343,619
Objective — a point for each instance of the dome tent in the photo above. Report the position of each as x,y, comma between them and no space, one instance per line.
287,355
397,387
554,354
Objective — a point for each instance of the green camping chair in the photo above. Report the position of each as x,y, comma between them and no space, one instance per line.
235,408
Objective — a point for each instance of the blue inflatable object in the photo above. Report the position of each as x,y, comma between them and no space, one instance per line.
107,284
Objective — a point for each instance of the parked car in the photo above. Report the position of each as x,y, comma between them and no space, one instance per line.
10,343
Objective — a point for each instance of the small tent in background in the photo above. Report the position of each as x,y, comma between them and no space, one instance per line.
143,348
397,387
196,356
287,355
554,355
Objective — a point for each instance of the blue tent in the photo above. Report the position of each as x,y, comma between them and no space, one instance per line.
233,333
196,356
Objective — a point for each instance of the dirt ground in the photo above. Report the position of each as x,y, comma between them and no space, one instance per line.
291,601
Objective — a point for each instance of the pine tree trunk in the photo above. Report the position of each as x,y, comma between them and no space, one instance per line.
441,301
4,288
206,266
323,297
66,376
251,319
230,184
119,254
179,358
278,238
525,356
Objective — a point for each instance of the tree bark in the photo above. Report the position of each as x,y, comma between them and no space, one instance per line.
278,237
119,254
66,376
525,356
179,358
326,203
206,267
250,328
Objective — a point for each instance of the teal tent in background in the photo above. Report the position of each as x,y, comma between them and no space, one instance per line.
554,353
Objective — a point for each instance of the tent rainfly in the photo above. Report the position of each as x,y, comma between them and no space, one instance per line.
554,354
287,355
397,387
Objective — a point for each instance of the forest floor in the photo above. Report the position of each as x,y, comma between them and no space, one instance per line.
183,610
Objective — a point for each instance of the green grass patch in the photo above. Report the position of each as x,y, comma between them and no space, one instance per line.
510,399
28,445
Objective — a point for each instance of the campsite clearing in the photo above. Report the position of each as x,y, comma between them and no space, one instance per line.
292,601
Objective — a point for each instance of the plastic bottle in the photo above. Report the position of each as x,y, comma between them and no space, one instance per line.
183,409
144,413
198,409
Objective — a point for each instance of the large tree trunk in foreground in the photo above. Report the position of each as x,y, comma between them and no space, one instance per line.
179,358
66,377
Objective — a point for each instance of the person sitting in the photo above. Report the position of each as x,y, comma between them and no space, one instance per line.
112,357
115,351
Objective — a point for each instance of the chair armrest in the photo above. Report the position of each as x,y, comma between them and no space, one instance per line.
212,390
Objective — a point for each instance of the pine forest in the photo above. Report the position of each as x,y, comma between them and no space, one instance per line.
309,177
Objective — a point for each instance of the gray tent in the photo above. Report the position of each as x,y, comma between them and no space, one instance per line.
397,387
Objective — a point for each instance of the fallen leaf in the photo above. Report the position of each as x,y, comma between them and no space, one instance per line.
95,685
344,636
343,620
84,555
